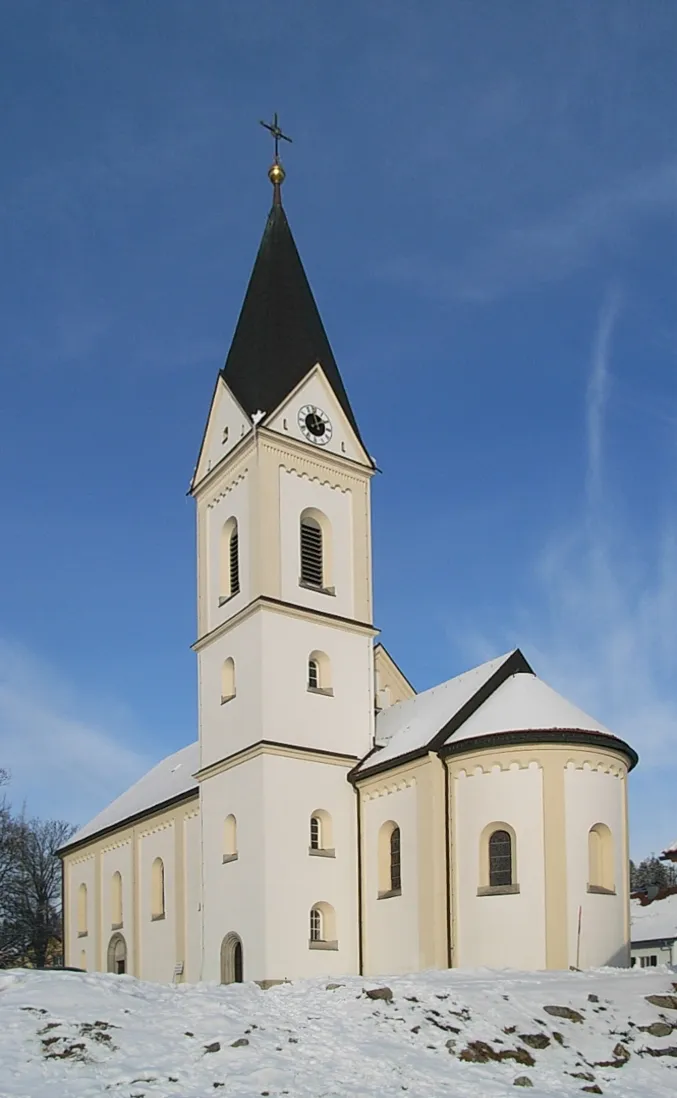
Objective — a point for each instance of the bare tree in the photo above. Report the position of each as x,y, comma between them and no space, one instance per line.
8,841
31,919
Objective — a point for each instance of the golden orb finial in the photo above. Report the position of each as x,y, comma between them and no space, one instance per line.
276,174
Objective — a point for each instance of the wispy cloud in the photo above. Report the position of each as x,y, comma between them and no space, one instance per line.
66,753
598,385
566,240
599,625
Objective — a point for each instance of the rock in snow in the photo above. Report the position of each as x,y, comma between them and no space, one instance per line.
83,1035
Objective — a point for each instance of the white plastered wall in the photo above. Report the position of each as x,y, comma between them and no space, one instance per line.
499,930
227,728
157,937
118,858
391,925
295,880
595,796
234,892
342,723
82,871
193,898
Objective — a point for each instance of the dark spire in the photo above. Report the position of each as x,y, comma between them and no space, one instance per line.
279,336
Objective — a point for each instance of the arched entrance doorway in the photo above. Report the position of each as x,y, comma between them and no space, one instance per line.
117,955
232,966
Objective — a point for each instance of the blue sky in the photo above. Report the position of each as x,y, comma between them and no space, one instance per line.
484,196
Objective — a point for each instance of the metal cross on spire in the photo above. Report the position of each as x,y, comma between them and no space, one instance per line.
275,131
276,171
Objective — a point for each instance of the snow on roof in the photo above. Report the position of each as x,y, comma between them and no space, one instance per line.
168,779
411,724
670,851
525,703
656,920
522,702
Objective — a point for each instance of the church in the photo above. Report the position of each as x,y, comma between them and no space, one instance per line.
330,819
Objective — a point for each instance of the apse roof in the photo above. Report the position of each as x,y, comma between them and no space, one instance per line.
501,697
525,703
410,725
279,336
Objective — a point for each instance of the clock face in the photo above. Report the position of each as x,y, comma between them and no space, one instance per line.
315,424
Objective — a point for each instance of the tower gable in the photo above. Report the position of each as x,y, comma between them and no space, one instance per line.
314,396
227,424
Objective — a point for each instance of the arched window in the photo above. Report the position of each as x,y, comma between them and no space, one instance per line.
230,839
319,673
158,889
82,910
227,680
600,859
321,836
322,927
315,545
116,901
315,924
230,561
389,860
500,859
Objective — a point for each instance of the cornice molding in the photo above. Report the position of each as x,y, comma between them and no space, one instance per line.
236,458
124,825
226,489
290,609
272,747
297,451
543,737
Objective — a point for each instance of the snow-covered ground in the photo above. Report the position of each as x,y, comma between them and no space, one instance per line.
466,1034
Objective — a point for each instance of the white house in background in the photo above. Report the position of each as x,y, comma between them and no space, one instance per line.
654,932
654,924
329,819
670,853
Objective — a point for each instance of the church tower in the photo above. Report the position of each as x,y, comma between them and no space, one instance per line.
285,634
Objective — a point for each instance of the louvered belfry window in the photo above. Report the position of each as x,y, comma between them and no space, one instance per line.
234,563
312,570
395,863
500,859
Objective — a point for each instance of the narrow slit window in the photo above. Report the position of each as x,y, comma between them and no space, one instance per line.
500,859
312,565
234,562
158,889
395,860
